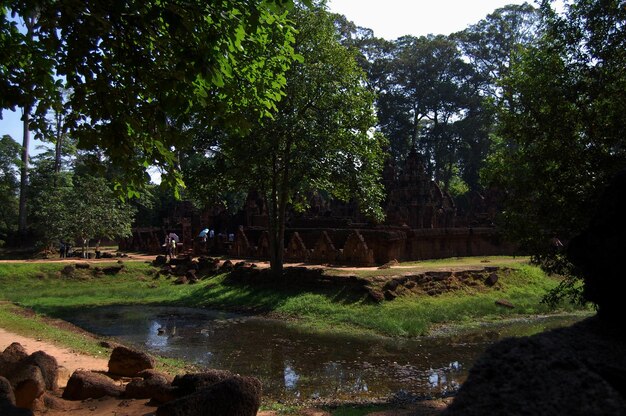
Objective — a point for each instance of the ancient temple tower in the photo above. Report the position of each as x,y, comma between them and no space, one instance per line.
415,200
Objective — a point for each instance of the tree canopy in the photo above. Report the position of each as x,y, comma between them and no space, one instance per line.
562,137
320,138
138,72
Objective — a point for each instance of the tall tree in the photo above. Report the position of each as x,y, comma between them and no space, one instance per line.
492,43
319,139
28,80
562,136
9,185
426,90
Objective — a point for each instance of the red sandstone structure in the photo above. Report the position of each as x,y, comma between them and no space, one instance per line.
421,223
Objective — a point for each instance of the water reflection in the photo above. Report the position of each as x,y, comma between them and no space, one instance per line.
293,364
291,377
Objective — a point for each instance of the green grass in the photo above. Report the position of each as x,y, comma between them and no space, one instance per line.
43,288
23,322
427,265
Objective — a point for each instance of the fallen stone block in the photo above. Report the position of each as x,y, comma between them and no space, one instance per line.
235,396
89,385
127,362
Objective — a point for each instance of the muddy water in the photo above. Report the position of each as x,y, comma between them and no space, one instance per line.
294,365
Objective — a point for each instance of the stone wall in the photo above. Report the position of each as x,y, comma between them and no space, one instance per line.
367,247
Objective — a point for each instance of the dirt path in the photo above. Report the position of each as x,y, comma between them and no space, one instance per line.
65,357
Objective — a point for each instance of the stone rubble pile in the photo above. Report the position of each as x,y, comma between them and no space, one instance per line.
30,383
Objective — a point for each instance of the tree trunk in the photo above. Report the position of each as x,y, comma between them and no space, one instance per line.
24,177
58,147
276,264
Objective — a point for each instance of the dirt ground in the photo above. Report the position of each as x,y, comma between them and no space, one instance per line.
69,361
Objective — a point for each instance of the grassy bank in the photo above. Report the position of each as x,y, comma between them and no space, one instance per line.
44,288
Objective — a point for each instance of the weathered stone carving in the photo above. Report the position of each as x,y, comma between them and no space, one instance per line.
356,251
324,250
241,246
296,250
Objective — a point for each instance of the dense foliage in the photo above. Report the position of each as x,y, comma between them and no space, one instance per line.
9,185
319,139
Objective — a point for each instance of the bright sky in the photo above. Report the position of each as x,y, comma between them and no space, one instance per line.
388,19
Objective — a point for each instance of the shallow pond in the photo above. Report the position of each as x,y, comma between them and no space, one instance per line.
295,365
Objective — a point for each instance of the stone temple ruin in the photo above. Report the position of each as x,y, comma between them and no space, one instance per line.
422,222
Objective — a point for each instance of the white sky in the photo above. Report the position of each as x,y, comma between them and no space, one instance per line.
391,19
388,19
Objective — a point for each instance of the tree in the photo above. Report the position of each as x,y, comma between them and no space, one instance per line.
28,81
139,71
87,208
9,185
429,99
494,41
561,137
320,138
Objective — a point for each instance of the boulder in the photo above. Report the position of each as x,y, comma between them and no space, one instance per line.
15,350
577,370
28,385
226,267
181,280
155,374
127,362
375,294
48,366
10,410
235,396
160,260
505,303
87,384
191,383
52,402
492,279
112,270
10,357
6,392
152,385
